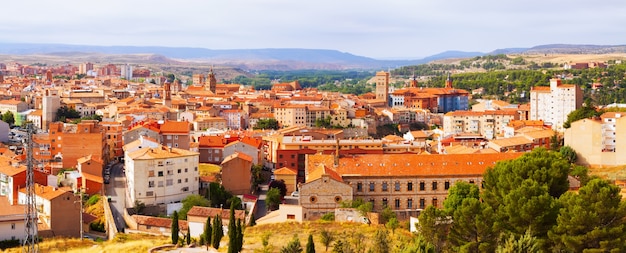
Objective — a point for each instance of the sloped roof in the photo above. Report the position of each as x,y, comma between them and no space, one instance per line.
204,212
159,222
285,171
321,170
175,127
237,155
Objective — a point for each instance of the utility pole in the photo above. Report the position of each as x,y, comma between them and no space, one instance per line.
31,242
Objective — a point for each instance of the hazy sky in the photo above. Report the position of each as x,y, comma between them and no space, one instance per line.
378,29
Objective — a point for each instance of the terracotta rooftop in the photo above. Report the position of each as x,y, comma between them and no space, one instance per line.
320,170
285,171
48,192
204,212
159,222
160,152
411,164
237,155
175,127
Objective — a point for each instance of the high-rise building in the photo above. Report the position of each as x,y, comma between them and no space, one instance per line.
198,79
553,103
382,86
83,68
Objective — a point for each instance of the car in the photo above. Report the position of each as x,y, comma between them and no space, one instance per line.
295,194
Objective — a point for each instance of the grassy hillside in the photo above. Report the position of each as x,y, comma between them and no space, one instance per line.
123,243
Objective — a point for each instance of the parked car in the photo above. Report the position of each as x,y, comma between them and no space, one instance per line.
295,194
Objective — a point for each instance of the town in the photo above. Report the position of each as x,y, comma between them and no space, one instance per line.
145,147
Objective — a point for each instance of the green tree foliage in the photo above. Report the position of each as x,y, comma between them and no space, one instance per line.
381,242
457,193
188,236
67,113
252,220
232,231
526,243
239,235
328,216
595,218
362,206
267,124
325,122
472,229
387,214
434,225
272,198
327,237
568,153
207,236
310,245
341,246
218,232
418,245
293,246
392,224
191,201
8,117
581,173
175,229
280,185
217,195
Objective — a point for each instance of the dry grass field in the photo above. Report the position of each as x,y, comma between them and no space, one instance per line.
123,243
206,169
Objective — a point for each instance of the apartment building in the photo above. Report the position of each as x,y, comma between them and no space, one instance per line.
13,106
489,124
235,119
599,142
237,173
553,103
406,183
291,115
12,220
175,134
58,209
159,175
247,145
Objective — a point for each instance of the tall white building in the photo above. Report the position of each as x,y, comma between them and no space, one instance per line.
126,71
160,175
552,104
51,102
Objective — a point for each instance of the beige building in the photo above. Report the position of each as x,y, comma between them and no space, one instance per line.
237,174
12,220
159,175
553,103
58,209
289,176
599,142
382,86
323,191
290,115
489,124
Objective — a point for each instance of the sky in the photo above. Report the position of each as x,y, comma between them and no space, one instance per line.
391,29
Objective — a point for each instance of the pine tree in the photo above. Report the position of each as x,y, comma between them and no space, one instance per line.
239,235
208,233
381,242
232,231
310,245
188,236
294,246
175,228
218,232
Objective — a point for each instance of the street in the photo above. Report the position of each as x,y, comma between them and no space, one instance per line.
116,190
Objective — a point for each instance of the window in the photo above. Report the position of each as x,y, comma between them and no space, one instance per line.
422,203
435,202
397,186
150,184
12,226
471,181
186,170
409,203
169,182
160,173
179,171
384,202
372,201
409,186
372,186
434,186
186,180
446,185
397,203
359,187
149,194
384,186
170,172
180,181
151,173
160,183
313,199
337,199
422,186
291,216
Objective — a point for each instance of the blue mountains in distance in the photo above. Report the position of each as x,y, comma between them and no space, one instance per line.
275,58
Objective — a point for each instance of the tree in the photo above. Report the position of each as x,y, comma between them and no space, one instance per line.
270,123
280,185
387,214
393,224
208,232
310,245
555,142
323,122
252,220
239,235
175,228
293,246
272,198
327,238
188,237
218,232
191,201
568,153
472,227
586,111
8,117
581,173
592,219
381,242
418,245
232,231
526,243
457,193
434,225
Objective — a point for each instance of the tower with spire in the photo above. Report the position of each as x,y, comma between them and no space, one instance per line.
211,82
413,82
167,94
449,82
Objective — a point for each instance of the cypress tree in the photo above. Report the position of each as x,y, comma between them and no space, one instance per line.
208,232
188,236
239,235
175,228
310,245
232,231
218,232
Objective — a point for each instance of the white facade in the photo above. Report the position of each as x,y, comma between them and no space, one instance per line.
12,225
51,102
554,104
161,175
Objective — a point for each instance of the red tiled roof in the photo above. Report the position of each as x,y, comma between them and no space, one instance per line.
205,212
211,141
175,127
321,170
285,171
159,222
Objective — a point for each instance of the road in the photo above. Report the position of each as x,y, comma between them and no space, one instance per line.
116,190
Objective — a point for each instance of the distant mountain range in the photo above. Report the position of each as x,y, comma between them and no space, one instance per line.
274,59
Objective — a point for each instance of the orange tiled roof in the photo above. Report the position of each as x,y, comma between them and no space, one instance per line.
237,155
412,164
205,212
175,127
48,192
211,141
285,171
159,222
321,170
